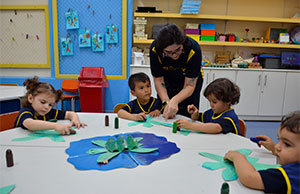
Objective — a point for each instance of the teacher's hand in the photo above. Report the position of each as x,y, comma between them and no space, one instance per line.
170,110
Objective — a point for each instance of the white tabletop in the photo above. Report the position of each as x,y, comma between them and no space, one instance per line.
11,92
41,165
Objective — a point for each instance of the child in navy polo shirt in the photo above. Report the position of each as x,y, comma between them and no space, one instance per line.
221,118
283,179
37,109
144,103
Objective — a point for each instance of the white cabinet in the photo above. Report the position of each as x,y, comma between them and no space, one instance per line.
209,76
262,93
292,93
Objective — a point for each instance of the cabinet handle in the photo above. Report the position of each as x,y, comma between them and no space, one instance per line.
207,78
213,76
265,80
259,80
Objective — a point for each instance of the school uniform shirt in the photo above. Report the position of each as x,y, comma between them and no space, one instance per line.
189,64
283,179
28,112
135,107
228,120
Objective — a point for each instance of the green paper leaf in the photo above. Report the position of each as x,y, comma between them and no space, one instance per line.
94,151
120,144
212,156
107,156
138,139
25,138
111,145
7,189
144,150
99,143
131,144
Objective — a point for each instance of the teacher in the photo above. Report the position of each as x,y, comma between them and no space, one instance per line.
175,62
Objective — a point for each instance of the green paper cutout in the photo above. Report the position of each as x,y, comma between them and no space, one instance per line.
229,172
52,134
112,147
7,189
185,132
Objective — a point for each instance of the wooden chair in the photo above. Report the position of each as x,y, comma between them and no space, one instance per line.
9,85
242,125
118,107
70,86
7,120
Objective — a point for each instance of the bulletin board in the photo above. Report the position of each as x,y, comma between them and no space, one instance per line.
24,36
93,16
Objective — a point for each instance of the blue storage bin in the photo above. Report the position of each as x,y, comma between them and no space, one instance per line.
207,26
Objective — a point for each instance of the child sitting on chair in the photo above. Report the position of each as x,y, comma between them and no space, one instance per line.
37,109
284,179
221,118
144,103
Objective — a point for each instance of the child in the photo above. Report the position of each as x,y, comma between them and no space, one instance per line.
221,94
37,109
144,103
284,179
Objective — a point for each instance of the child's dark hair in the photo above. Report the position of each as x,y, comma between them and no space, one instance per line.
291,122
223,89
137,77
169,34
35,87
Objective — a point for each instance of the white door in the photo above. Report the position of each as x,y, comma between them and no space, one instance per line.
271,100
292,93
250,83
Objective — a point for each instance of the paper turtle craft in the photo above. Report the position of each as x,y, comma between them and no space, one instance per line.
127,150
229,174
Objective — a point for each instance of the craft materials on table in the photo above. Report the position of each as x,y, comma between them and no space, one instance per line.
126,150
256,140
7,189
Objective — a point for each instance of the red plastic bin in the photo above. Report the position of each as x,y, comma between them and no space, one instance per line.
92,86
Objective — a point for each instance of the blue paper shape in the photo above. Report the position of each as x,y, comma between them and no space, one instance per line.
81,160
111,35
72,20
66,46
84,38
97,42
229,174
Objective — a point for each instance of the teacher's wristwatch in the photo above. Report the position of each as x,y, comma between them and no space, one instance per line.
165,102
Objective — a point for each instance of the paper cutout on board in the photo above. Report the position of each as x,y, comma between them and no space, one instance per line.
97,42
72,20
66,46
7,189
145,149
84,38
111,35
229,174
52,134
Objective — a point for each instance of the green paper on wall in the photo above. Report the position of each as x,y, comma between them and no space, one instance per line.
7,189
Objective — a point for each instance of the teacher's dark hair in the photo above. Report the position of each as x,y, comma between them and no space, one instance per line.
168,35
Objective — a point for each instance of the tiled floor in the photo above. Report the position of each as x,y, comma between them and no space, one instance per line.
262,128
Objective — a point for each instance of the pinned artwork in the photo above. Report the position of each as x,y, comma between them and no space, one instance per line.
66,46
126,150
111,35
84,38
97,42
229,174
72,20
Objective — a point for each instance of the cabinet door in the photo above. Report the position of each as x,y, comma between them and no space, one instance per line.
147,71
250,86
271,100
292,93
229,74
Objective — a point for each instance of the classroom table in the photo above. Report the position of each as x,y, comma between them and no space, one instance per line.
10,98
40,166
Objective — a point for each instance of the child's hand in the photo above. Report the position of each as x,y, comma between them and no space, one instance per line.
232,155
154,113
192,109
63,129
140,117
182,123
76,122
268,143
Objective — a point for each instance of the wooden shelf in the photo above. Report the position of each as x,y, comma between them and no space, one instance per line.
244,44
217,17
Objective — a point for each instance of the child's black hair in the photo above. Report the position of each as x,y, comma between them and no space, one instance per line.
137,77
291,122
169,34
35,87
223,89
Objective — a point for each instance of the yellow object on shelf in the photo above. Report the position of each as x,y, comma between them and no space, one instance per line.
194,36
